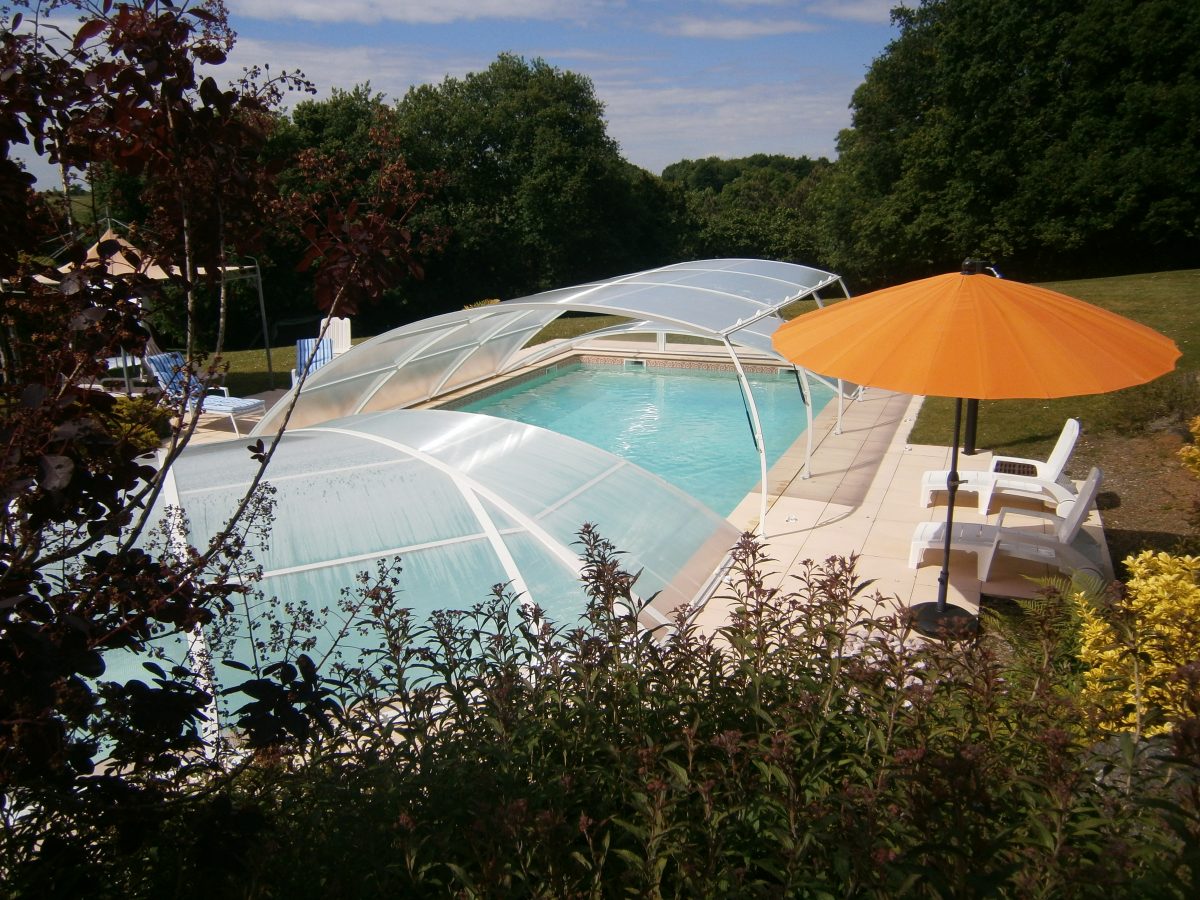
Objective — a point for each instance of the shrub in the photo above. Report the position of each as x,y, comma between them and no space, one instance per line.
811,748
1133,642
139,423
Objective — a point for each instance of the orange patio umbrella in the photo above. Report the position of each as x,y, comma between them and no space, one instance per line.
974,336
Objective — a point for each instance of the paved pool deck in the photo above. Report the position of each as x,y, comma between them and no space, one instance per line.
863,497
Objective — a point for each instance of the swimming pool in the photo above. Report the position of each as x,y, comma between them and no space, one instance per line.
687,425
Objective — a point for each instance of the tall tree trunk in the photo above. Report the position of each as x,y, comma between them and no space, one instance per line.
224,290
68,211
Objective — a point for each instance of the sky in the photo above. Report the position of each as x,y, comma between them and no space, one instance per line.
679,79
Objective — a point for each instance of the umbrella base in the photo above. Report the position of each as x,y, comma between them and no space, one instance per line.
952,622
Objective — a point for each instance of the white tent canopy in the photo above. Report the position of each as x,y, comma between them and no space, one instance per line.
733,301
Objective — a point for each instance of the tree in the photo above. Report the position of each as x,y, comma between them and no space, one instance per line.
343,126
750,207
537,194
343,152
85,574
79,576
194,145
1047,141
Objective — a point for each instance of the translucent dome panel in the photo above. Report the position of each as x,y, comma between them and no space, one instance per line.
466,501
713,299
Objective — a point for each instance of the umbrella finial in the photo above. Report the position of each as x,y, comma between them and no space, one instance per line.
975,266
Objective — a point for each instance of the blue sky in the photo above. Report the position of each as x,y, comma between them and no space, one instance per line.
678,79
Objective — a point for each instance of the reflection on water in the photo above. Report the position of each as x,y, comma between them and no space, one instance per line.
689,426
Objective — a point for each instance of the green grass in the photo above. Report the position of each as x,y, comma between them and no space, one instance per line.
1166,301
248,368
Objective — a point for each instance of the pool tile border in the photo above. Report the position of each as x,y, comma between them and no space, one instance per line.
593,359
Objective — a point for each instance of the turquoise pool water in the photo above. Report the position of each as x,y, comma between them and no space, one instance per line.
688,426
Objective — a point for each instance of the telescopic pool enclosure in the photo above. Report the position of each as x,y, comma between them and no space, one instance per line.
468,501
733,302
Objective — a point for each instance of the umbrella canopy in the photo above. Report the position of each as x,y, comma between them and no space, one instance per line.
129,260
977,337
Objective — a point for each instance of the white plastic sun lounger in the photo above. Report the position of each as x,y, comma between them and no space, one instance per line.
1015,475
989,541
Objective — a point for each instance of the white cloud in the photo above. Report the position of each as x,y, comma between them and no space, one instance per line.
390,70
874,12
657,126
736,29
656,122
412,12
741,4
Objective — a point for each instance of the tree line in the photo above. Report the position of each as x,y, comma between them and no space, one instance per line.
1058,141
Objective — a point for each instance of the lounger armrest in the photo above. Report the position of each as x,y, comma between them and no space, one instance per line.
218,388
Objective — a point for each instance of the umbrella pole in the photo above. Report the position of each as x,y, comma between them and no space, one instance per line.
938,619
951,492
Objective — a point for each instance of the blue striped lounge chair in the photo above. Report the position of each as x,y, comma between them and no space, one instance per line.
319,352
171,374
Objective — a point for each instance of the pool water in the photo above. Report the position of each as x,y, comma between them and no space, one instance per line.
688,426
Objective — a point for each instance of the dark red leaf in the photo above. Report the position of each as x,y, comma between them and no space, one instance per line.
210,55
88,31
56,471
209,92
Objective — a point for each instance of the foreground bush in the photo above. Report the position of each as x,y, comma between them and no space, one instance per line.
810,749
1136,641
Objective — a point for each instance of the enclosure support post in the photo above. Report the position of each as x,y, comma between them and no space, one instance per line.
756,428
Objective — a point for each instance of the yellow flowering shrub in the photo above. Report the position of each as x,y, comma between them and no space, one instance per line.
1133,645
1190,453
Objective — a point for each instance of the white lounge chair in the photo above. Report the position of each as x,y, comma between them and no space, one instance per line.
171,373
1015,475
989,541
320,352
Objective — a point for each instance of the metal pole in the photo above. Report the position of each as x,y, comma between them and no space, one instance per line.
969,435
940,620
262,308
806,393
951,489
755,432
